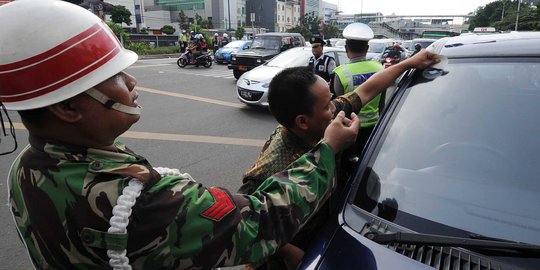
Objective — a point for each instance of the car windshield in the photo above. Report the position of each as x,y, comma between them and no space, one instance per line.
376,47
463,150
266,42
234,44
291,58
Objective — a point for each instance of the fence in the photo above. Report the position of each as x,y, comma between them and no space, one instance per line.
154,40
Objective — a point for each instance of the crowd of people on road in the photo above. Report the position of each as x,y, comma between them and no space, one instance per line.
83,200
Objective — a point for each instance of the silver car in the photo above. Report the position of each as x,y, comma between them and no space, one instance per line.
252,86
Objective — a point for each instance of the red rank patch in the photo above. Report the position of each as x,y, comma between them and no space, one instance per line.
222,206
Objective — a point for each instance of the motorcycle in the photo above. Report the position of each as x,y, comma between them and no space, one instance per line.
202,60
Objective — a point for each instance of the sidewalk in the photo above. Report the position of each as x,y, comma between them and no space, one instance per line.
158,56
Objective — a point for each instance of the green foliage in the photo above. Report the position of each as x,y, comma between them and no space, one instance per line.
309,26
142,48
120,14
302,30
118,30
502,14
331,30
195,27
239,33
183,20
168,29
143,31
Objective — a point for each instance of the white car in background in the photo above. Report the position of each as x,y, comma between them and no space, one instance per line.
252,86
377,48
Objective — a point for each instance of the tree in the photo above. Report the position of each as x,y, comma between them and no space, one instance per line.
309,26
330,30
502,14
118,31
120,14
168,29
239,33
183,20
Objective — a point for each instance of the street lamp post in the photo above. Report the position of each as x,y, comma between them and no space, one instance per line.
517,15
229,11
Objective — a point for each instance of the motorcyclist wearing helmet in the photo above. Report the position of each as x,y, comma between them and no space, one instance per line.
83,200
356,72
215,42
395,52
224,40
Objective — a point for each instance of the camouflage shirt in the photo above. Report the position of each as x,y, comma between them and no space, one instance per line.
62,196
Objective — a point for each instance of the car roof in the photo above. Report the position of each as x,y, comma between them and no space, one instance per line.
325,49
495,45
279,34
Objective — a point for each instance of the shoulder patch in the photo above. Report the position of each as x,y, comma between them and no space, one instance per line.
223,205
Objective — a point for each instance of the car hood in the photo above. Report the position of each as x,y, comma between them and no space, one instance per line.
256,53
227,50
262,73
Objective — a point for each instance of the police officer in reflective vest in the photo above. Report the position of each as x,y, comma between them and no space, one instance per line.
322,65
357,71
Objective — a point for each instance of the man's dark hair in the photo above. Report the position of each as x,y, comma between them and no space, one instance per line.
357,46
289,94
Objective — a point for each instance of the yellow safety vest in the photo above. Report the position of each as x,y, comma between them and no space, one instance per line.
352,75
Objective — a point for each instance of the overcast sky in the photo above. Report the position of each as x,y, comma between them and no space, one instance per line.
410,7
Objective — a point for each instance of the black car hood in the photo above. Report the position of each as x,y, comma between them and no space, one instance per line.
256,53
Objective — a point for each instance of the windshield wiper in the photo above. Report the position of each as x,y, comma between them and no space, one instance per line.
259,47
449,241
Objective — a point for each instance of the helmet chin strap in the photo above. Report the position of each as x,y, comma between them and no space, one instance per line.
112,104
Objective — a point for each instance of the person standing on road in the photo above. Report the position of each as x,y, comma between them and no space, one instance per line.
301,102
322,64
82,200
215,42
183,41
357,71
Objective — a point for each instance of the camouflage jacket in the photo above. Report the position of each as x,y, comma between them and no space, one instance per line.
62,196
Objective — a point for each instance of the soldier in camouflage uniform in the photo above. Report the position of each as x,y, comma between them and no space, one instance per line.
303,121
82,200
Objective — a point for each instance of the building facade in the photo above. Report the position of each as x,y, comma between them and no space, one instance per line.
287,15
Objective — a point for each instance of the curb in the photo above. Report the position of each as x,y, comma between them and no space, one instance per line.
158,56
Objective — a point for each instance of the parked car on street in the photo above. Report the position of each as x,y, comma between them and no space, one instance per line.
449,179
252,87
264,47
223,55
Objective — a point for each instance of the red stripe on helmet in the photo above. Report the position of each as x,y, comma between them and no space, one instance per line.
58,66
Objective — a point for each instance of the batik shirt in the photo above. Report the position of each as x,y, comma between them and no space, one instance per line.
283,147
62,198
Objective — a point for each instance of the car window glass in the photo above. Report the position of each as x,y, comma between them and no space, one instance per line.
291,58
459,145
377,47
266,42
297,41
342,58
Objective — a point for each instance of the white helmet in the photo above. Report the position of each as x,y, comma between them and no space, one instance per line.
358,31
225,35
69,52
216,34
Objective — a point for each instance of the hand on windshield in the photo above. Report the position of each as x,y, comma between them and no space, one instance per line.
422,60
